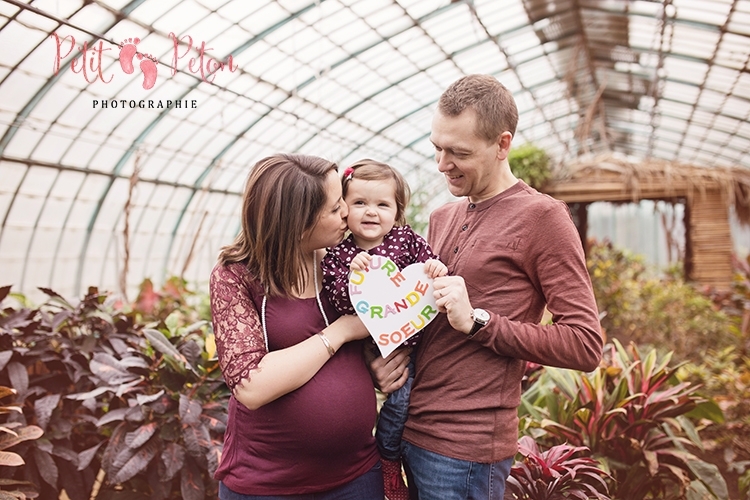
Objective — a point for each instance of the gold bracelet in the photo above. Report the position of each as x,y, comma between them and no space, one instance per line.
327,343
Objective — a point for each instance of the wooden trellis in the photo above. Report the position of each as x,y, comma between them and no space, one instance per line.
707,194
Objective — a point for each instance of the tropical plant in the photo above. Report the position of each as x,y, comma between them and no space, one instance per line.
530,163
632,414
659,310
723,374
129,396
11,435
557,473
169,423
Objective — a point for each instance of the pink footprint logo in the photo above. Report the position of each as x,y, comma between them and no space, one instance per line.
148,65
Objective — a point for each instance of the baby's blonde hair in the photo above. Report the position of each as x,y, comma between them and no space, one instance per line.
371,170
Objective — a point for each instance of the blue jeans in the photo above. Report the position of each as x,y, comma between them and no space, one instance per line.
392,419
368,486
432,476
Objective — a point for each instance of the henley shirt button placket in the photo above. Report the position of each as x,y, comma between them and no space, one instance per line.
472,206
464,227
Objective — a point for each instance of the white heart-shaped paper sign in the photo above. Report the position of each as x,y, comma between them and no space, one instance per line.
394,305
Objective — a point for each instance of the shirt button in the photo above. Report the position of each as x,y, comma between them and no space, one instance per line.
455,250
471,205
464,227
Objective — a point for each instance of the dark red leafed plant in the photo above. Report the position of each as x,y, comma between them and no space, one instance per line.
558,473
13,435
130,398
632,415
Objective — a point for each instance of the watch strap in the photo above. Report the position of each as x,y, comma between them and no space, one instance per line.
474,329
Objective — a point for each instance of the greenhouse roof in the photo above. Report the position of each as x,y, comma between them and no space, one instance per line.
117,165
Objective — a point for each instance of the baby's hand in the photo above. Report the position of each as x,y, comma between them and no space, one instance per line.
360,262
434,268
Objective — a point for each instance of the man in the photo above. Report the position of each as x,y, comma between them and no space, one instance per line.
510,251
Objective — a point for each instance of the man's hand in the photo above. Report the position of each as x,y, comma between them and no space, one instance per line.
390,373
452,299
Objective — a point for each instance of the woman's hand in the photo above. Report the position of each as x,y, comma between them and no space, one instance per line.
390,373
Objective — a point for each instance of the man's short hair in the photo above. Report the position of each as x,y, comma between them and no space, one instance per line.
491,100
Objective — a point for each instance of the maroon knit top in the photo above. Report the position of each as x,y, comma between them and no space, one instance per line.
313,439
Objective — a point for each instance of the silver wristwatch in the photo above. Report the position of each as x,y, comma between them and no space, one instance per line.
481,318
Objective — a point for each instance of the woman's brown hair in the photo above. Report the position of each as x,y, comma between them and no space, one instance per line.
371,170
283,198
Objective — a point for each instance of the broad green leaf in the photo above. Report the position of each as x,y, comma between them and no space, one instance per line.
698,491
564,380
689,429
528,408
710,476
709,410
162,344
648,369
195,326
173,322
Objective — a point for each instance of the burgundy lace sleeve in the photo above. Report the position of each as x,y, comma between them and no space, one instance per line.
239,336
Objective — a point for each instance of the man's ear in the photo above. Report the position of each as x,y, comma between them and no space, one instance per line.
503,143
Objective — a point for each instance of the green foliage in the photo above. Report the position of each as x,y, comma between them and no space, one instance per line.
723,374
416,214
631,413
530,163
647,309
132,390
556,473
745,484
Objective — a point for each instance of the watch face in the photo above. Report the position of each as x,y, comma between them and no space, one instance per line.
481,316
